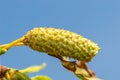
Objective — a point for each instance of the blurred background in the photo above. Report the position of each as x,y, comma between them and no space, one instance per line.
97,20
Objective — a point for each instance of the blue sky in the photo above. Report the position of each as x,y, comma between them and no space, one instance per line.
98,20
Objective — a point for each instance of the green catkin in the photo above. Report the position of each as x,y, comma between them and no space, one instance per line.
61,42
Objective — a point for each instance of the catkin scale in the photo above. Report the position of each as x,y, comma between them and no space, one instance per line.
61,42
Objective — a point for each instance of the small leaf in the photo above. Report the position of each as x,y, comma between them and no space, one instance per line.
32,69
20,76
41,78
13,74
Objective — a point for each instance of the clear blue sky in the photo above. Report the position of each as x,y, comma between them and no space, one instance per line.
98,20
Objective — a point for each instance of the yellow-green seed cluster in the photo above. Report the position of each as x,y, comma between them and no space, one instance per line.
60,42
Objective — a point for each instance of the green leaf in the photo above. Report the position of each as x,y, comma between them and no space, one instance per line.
33,69
41,78
21,76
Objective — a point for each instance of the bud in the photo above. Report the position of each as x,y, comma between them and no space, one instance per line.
60,42
2,51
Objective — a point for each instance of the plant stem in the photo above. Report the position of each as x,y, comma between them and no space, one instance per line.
17,42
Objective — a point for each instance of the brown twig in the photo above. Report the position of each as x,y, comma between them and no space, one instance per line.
78,68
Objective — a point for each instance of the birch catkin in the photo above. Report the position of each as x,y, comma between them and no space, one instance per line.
60,42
